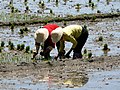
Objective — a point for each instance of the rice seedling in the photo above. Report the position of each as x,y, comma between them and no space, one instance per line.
21,31
98,11
11,47
77,6
57,1
41,4
100,38
51,12
12,9
85,51
9,43
89,55
93,18
27,49
90,1
25,2
11,1
2,43
22,46
18,47
106,47
0,49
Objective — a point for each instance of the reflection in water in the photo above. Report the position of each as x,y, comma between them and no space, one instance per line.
69,79
76,79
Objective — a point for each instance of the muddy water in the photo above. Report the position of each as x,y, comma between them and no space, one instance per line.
105,80
62,7
108,29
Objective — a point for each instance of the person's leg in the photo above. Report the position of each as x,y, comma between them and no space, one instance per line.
77,52
46,55
58,45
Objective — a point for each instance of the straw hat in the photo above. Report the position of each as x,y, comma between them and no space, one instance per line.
41,35
56,34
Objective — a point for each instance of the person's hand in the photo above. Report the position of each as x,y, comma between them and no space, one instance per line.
48,49
34,54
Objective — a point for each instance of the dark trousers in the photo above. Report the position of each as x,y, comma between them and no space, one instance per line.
81,41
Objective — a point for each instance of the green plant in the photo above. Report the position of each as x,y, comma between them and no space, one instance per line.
2,44
18,47
12,27
77,6
90,1
57,1
27,8
22,47
12,9
89,55
27,49
21,31
51,12
100,38
25,0
92,4
105,47
11,46
9,43
93,18
42,4
98,11
0,49
85,51
26,29
11,2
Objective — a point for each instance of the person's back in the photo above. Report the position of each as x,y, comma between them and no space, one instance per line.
74,30
44,34
51,27
75,34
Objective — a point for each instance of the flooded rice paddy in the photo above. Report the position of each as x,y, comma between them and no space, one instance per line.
10,9
109,29
44,77
100,80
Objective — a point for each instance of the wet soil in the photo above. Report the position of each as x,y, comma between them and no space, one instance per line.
59,71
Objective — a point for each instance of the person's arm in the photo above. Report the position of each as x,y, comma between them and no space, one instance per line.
48,49
35,52
71,39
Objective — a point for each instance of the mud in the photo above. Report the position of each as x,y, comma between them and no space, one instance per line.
102,68
57,73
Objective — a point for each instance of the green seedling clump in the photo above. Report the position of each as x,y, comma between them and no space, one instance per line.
89,55
85,51
93,18
100,38
26,29
22,47
105,47
0,49
9,43
18,47
51,12
27,49
21,31
11,46
2,44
